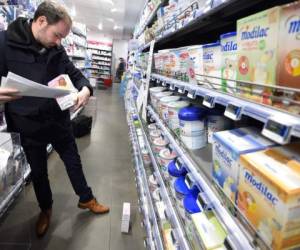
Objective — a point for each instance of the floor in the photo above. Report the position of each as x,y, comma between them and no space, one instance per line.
108,167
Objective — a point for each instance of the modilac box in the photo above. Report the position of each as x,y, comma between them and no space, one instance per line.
257,41
269,194
289,46
227,148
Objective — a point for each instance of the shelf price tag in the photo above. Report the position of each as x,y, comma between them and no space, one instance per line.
164,83
233,112
157,81
181,90
173,237
275,130
172,86
191,94
209,101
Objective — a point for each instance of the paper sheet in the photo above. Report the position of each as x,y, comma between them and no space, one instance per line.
27,87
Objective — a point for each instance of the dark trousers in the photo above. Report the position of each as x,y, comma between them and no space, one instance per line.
59,134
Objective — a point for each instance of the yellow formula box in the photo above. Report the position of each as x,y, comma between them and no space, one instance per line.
269,194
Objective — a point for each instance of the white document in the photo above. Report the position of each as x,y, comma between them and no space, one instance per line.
27,87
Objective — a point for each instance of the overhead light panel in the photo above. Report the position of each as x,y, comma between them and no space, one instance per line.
116,10
100,26
73,11
116,27
110,19
108,1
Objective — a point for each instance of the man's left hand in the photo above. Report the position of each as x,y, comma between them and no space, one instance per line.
82,98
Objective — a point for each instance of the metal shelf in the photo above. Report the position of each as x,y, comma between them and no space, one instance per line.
257,111
236,235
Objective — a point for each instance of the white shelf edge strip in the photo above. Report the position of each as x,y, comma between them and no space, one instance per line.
239,239
256,111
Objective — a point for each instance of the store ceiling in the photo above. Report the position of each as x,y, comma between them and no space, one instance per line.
118,17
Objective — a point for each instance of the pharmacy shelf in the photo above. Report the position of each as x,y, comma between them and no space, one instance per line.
236,235
10,198
27,172
257,111
208,26
147,207
149,20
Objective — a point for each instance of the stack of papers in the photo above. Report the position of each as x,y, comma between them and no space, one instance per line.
27,87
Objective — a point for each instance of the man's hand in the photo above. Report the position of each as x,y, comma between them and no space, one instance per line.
82,98
8,94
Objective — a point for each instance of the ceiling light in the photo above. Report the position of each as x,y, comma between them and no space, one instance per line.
73,11
116,27
109,19
100,26
116,10
108,1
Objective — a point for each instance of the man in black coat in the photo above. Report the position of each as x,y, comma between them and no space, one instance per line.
32,49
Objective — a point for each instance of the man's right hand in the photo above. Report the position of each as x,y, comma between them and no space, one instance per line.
8,94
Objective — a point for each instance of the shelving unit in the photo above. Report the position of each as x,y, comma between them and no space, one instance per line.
277,124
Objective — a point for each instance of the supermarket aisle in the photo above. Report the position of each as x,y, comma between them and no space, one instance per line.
107,160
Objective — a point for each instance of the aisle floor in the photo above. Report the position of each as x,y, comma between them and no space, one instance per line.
108,167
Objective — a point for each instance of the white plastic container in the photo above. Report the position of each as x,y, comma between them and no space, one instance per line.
152,127
195,142
153,185
165,157
163,105
215,123
173,109
159,144
157,96
155,134
155,90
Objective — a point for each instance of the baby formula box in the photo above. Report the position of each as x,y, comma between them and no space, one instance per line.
257,42
289,48
227,148
211,232
163,105
173,110
212,65
196,58
229,62
269,194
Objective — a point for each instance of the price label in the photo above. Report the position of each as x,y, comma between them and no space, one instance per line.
278,132
233,112
164,84
173,237
191,94
189,181
172,87
181,90
209,101
157,81
178,164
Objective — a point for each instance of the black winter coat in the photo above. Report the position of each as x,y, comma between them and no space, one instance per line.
20,54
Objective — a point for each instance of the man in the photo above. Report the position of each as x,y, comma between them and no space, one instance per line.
32,49
120,69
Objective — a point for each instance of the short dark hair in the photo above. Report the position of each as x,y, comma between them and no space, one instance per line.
53,11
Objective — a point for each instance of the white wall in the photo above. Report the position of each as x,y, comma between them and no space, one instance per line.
120,49
99,37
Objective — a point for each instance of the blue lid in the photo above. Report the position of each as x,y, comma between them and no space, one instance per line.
181,187
226,35
190,204
210,45
192,113
174,171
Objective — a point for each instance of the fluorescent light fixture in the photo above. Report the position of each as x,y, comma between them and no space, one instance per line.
73,11
100,26
116,27
108,1
116,10
110,19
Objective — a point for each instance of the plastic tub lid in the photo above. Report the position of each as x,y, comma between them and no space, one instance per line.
210,45
174,171
181,187
160,142
155,133
192,113
162,94
190,204
226,35
157,89
167,154
152,126
167,99
178,104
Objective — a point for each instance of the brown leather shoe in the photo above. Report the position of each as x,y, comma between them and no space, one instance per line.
94,206
43,222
